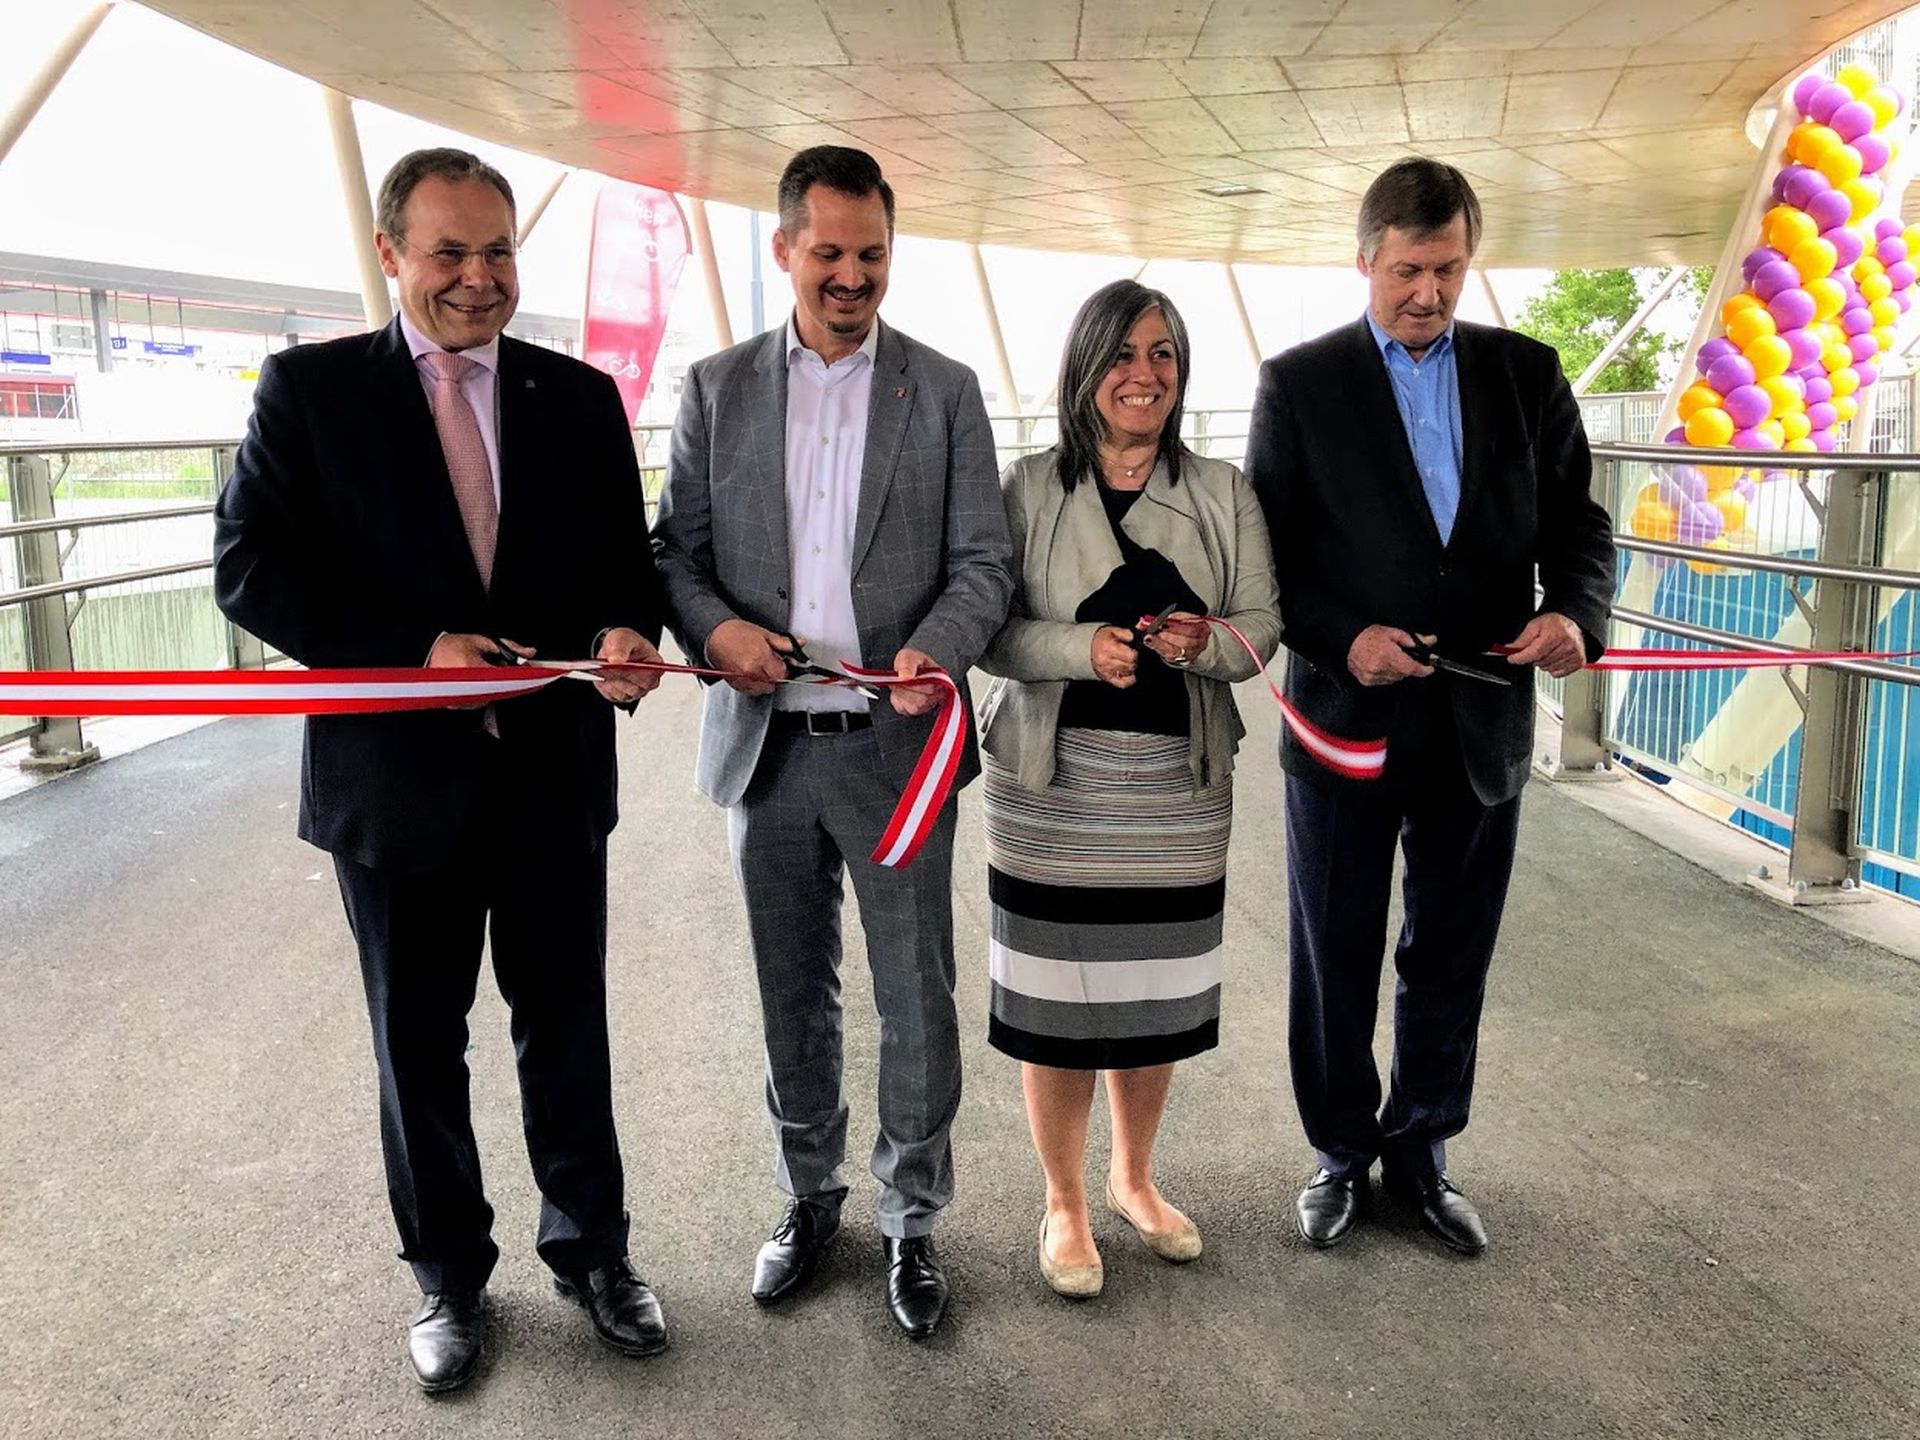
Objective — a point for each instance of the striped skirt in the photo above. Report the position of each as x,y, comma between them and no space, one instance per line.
1107,892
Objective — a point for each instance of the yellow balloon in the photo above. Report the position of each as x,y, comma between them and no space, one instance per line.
1800,446
1828,297
1776,436
1745,300
1710,428
1828,333
1733,506
1857,78
1697,396
1810,142
1769,355
1912,236
1884,312
1720,479
1702,567
1844,383
1876,288
1796,426
1883,337
1865,200
1814,258
1787,397
1884,104
1841,164
1653,519
1845,407
1835,358
1749,325
1786,226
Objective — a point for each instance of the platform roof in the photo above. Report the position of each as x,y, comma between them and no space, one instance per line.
1597,131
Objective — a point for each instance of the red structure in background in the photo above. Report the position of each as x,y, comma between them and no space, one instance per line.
639,247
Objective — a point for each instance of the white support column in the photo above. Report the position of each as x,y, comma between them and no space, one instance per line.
532,217
47,79
710,269
1240,308
1635,324
1008,389
1493,300
352,166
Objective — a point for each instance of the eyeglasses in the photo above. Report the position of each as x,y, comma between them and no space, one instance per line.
453,258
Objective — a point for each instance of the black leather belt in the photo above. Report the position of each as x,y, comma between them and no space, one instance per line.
821,722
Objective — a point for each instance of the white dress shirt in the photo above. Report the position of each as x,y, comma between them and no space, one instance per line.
826,444
481,388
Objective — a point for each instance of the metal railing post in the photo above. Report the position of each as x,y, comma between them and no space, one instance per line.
244,650
56,743
1583,753
1823,863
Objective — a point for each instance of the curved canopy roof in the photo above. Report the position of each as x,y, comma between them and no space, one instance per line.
1597,131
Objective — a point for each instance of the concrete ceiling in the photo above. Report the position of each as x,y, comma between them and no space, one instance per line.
1596,131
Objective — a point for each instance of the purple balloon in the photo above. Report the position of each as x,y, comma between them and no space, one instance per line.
1864,347
1730,373
1773,277
1804,90
1802,184
1791,309
1819,389
1868,371
1805,347
1780,185
1886,228
1750,440
1891,250
1829,208
1902,275
1747,405
1670,493
1827,99
1852,120
1701,522
1690,481
1821,414
1745,488
1824,440
1856,320
1847,246
1676,436
1713,352
1904,299
1756,258
1875,152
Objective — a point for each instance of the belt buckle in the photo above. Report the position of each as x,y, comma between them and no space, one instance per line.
826,722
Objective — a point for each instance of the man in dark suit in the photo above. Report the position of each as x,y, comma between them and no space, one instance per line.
1417,474
427,495
834,481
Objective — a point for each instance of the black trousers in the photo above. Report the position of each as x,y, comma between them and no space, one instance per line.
1341,843
420,938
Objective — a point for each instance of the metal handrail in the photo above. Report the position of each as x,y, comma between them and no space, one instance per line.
1757,459
100,582
89,522
1772,564
97,447
1680,630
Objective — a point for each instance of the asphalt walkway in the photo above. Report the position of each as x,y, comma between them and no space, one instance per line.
1696,1146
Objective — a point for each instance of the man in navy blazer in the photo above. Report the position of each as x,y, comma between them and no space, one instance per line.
435,494
1418,474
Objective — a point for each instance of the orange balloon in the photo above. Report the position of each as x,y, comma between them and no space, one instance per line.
1748,326
1702,567
1720,479
1710,428
1654,520
1810,142
1786,226
1697,396
1769,355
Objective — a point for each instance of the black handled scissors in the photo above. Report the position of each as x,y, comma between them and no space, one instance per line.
1426,656
1148,625
800,664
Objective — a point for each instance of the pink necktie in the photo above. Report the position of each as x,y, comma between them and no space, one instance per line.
466,456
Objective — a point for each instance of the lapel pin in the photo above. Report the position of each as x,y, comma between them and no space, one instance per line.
529,384
900,392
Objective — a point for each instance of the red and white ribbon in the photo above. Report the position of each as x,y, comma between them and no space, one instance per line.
368,692
1355,759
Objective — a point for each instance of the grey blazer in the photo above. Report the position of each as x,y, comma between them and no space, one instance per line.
1210,525
931,558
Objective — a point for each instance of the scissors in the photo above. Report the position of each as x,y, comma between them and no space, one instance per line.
801,665
1148,625
1426,656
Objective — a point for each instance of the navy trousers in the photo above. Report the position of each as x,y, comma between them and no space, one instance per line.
420,938
1341,844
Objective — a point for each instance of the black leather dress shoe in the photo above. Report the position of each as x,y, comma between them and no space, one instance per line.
916,1285
444,1339
1445,1213
788,1259
1330,1205
624,1312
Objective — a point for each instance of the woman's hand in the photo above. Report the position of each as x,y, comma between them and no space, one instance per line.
1180,641
1114,656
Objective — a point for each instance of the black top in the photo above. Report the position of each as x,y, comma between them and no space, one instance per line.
1144,583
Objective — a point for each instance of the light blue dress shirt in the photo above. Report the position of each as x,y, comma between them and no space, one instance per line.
1427,391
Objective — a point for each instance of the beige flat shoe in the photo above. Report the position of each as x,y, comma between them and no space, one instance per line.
1076,1282
1177,1246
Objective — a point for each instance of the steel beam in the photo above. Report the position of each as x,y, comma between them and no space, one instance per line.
376,304
47,78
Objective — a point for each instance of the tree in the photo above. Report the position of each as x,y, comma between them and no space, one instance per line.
1581,310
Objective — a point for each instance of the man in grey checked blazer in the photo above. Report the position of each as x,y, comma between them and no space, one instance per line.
835,481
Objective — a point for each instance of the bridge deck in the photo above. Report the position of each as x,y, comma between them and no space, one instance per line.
1697,1148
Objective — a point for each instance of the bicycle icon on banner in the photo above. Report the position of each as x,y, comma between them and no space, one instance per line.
624,368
